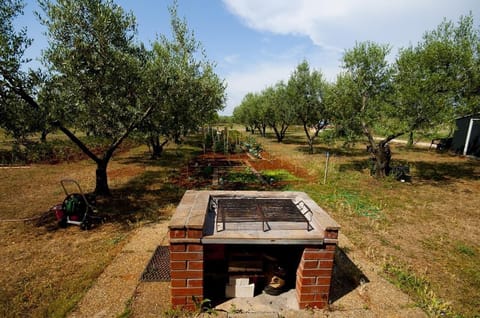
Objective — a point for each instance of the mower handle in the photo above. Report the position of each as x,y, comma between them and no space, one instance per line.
63,182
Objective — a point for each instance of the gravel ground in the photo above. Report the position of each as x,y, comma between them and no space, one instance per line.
118,284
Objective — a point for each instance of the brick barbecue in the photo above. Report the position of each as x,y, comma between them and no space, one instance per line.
215,235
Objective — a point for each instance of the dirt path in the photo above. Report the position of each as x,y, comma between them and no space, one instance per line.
421,144
114,289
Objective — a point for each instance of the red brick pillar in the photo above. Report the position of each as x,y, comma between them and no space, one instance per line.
186,267
314,274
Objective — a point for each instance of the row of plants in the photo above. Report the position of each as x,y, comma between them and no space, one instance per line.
230,141
222,141
248,176
252,146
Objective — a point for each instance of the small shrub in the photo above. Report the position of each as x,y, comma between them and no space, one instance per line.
253,147
207,172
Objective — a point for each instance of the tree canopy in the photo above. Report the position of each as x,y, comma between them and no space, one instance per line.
425,88
450,58
299,101
307,93
181,81
18,109
100,80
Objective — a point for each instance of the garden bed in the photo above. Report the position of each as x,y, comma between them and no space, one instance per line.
238,172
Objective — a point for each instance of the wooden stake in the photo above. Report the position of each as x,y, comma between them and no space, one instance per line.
326,168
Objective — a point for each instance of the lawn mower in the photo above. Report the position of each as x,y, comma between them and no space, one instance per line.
77,208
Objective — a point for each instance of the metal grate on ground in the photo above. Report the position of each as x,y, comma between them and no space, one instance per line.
158,268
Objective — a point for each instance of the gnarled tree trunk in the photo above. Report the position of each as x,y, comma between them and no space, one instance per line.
101,185
280,133
381,156
157,146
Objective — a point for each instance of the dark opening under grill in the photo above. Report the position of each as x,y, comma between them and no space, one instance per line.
264,210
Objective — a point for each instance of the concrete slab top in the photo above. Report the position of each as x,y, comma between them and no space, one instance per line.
195,211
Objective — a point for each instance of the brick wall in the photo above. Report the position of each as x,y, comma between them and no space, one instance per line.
186,262
314,274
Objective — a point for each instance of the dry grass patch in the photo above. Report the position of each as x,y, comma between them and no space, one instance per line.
423,234
45,270
426,230
45,274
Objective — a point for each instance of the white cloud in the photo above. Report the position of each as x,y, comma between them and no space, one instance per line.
332,27
338,24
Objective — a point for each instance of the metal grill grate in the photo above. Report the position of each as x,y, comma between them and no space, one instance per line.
158,268
261,210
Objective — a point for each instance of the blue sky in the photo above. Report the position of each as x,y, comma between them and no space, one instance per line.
256,43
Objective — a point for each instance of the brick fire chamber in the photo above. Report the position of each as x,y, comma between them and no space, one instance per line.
215,235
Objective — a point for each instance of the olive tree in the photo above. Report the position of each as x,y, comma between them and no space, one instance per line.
181,82
97,68
360,97
279,110
19,112
306,89
249,112
428,86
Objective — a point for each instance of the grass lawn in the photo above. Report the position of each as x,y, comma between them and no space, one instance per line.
424,234
45,270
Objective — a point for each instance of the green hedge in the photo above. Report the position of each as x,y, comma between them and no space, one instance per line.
56,151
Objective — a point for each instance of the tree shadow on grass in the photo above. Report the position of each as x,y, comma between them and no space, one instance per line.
333,151
444,173
141,199
144,196
342,151
355,165
294,139
148,197
170,158
420,149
